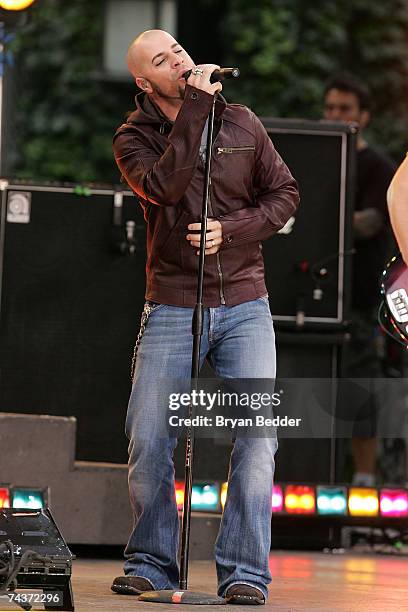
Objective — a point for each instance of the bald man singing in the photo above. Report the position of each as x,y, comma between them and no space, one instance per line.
161,152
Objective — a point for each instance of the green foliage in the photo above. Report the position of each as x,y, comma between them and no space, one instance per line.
287,49
65,116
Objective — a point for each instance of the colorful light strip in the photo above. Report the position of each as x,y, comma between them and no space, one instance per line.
4,497
277,498
223,496
300,499
32,499
205,497
292,499
363,501
331,500
179,486
394,502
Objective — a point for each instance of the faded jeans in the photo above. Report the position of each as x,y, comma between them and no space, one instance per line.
239,342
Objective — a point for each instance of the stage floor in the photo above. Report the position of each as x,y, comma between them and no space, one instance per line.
302,582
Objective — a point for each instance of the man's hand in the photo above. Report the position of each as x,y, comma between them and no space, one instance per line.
213,239
202,79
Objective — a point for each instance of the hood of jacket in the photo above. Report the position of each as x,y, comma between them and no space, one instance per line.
148,113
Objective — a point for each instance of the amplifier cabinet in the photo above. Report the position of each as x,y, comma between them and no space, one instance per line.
308,263
70,307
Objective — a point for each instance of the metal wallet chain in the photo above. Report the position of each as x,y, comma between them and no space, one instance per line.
143,322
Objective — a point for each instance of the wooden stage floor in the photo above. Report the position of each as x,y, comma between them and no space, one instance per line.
302,582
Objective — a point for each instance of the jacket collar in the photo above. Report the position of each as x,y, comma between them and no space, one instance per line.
147,112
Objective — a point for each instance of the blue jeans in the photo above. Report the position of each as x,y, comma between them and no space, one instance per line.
239,342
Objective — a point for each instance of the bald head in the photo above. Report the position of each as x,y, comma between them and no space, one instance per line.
145,48
158,64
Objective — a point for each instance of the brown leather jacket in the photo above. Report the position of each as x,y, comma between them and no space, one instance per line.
252,193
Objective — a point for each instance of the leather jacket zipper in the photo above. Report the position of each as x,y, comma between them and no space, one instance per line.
220,273
221,150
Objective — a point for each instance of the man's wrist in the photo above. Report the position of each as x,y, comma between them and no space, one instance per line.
194,93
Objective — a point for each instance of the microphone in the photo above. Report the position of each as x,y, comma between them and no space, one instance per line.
218,75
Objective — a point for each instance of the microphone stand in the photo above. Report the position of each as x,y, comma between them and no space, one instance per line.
183,595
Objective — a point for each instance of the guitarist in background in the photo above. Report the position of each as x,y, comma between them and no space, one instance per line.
347,99
398,207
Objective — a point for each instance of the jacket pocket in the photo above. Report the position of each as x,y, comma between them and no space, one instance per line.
232,150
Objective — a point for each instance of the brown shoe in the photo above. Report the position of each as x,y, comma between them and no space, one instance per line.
131,585
243,594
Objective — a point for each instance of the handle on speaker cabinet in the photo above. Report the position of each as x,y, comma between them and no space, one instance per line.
302,269
130,237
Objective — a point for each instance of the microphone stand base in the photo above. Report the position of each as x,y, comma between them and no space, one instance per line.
182,597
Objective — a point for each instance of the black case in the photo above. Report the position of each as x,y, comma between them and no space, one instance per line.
321,156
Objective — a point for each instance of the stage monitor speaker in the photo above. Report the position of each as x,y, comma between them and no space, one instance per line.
308,263
34,551
71,303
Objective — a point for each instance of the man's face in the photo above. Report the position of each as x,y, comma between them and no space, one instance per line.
163,62
344,106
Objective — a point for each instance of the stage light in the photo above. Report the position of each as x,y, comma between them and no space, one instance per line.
15,5
394,502
299,499
4,497
224,488
179,486
331,500
277,498
363,502
33,499
205,497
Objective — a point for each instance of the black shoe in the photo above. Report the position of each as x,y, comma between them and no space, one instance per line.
131,585
243,594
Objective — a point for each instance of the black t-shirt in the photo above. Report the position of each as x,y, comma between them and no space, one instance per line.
374,174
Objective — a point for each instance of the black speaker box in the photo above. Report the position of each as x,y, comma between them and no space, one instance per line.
70,307
308,263
314,356
300,355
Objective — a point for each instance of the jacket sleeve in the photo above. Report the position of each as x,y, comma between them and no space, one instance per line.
164,179
276,197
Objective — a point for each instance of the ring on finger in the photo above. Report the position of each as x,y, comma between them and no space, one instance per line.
198,71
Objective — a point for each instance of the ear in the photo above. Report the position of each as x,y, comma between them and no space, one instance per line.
144,84
365,117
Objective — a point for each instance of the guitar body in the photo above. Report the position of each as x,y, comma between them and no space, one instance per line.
394,287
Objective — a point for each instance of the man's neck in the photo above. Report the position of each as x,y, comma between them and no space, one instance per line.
169,108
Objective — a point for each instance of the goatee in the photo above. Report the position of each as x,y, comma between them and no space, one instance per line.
161,94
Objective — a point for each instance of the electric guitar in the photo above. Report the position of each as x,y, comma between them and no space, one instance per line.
394,289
